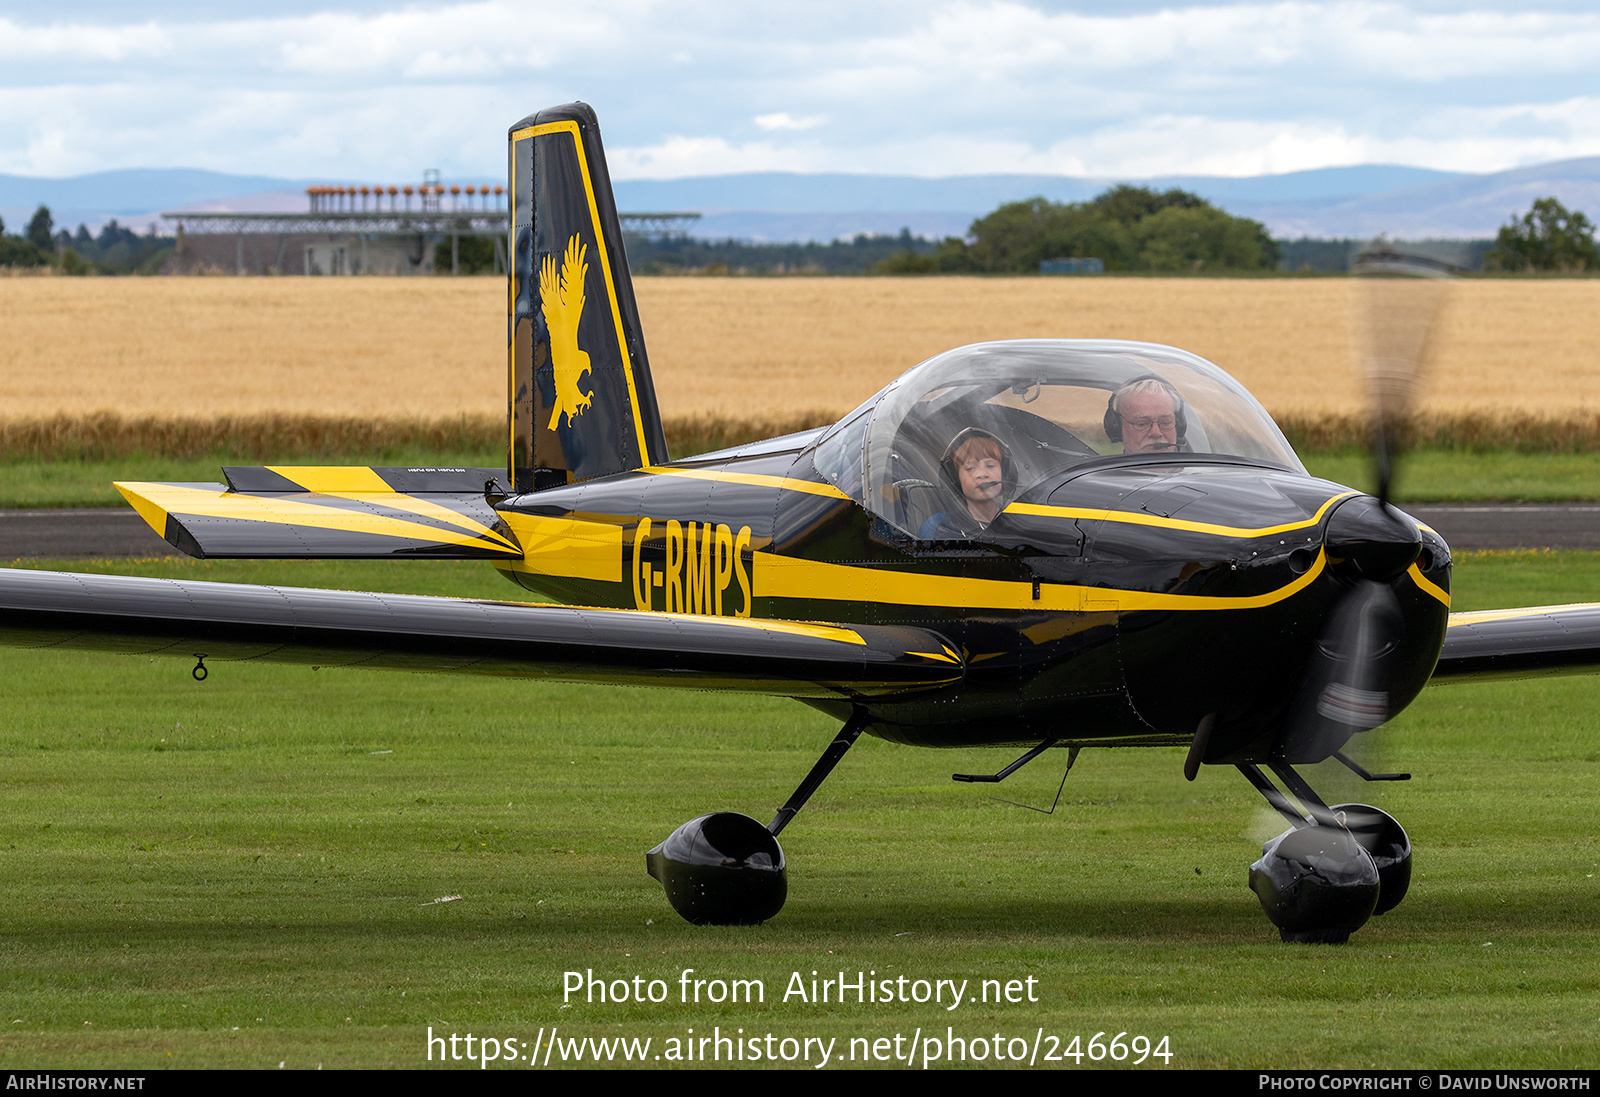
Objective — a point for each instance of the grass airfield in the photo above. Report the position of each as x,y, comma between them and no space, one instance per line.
240,872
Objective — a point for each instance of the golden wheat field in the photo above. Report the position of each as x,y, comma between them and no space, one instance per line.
737,346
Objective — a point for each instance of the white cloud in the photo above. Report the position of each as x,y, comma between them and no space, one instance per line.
80,43
783,121
680,156
702,86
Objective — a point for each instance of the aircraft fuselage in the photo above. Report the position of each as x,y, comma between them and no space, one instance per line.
1120,602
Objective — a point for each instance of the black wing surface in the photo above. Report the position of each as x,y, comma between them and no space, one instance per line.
229,621
1521,643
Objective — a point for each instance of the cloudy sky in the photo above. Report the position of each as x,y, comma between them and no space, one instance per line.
369,89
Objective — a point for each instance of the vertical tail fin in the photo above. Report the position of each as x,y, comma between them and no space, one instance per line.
581,400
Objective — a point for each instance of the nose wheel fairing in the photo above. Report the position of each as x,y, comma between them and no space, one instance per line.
1333,869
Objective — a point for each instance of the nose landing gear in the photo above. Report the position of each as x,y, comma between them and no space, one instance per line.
1320,880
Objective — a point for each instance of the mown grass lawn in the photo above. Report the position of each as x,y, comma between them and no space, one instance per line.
243,872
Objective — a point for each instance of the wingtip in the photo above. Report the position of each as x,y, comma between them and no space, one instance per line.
153,513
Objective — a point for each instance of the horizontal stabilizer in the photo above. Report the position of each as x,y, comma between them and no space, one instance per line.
289,511
1521,643
231,621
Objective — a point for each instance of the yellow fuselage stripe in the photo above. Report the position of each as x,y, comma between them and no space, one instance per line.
1433,590
753,479
787,577
1137,518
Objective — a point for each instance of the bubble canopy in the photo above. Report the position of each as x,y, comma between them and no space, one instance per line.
1047,402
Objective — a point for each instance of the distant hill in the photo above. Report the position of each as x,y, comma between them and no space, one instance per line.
777,206
1453,208
1357,201
136,190
133,196
794,192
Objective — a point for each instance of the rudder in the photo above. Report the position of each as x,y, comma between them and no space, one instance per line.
581,400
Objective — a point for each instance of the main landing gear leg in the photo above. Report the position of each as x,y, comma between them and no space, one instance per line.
727,869
1320,880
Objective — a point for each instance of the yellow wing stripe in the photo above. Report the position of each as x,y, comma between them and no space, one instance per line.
287,511
426,509
788,577
836,633
1480,616
334,479
340,482
1136,518
792,628
151,512
782,483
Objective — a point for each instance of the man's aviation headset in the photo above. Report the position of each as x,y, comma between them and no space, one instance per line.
1113,420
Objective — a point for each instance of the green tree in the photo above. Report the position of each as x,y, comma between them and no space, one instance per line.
1127,204
40,229
906,262
1194,238
1130,228
73,263
17,252
1018,235
1547,237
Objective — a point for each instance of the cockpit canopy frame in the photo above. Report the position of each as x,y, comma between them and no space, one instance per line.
1047,401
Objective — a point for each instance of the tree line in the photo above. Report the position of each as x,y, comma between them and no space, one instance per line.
861,254
1134,228
115,250
1128,228
1549,237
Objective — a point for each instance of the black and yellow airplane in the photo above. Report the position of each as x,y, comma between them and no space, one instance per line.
1119,579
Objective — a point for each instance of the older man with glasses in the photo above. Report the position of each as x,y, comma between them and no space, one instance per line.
1146,416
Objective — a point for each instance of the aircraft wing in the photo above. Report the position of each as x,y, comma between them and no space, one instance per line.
328,628
1521,643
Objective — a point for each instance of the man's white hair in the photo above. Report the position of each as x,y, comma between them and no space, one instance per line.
1140,388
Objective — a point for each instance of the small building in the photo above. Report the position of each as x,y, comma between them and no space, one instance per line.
1072,266
346,231
303,253
367,254
374,230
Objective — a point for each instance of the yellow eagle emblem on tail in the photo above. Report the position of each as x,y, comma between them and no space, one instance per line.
561,298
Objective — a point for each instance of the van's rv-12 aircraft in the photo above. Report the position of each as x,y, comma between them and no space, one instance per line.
1205,593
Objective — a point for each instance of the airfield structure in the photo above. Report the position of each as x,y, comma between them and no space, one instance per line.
353,230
